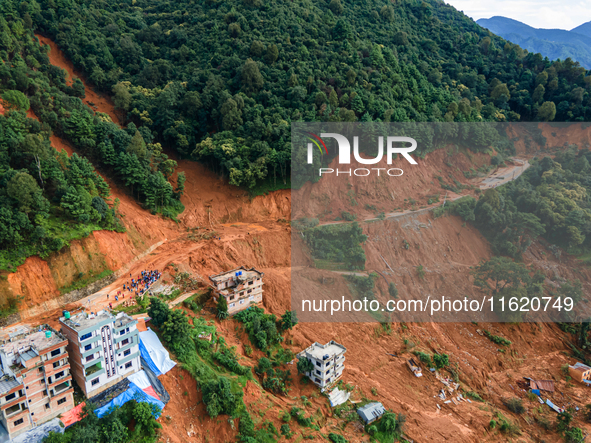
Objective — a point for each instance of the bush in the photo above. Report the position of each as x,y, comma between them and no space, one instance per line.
496,339
515,405
348,216
392,290
246,426
337,438
305,365
424,357
440,360
222,308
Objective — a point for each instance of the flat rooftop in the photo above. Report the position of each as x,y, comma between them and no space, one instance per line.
580,367
247,274
37,340
8,383
83,320
123,320
331,349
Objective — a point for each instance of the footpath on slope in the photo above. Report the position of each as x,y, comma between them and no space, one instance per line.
497,178
209,202
205,194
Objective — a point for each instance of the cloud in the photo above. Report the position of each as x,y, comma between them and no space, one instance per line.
560,14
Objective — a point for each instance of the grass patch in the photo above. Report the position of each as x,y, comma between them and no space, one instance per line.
268,185
83,282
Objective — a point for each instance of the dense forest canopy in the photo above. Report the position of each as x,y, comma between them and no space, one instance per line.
222,81
48,199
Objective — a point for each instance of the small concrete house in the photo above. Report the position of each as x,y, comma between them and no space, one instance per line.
371,412
580,372
104,348
241,287
328,361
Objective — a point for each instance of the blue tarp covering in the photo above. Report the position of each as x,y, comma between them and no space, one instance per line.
148,360
536,391
155,355
133,393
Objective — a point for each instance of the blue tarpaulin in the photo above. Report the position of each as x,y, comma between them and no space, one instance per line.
148,360
154,354
133,393
536,391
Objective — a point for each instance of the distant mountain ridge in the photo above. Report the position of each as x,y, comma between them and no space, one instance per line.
551,43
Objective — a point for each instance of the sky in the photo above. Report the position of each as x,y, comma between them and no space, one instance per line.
559,14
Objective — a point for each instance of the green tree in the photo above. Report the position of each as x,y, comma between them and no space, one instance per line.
137,146
158,311
145,422
288,320
121,96
24,189
222,308
440,360
305,365
251,76
176,328
547,112
272,54
14,99
336,7
263,366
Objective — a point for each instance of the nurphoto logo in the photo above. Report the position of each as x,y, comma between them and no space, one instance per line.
394,145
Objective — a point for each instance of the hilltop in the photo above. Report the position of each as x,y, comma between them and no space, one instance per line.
552,43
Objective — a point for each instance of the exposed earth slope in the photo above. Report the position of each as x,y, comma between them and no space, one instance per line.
253,232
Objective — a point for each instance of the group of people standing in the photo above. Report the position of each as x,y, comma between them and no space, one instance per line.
139,285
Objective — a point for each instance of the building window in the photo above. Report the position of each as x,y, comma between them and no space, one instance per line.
94,382
251,297
317,380
61,401
318,364
59,375
85,336
124,342
318,372
232,305
41,369
56,364
56,352
90,357
11,396
20,421
47,406
127,365
126,353
241,301
88,347
249,291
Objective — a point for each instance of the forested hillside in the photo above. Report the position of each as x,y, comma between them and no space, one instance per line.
222,81
550,200
48,199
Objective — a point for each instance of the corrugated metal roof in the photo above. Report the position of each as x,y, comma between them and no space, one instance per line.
28,355
8,384
371,411
544,385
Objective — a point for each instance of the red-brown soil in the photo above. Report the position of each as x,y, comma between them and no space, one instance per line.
253,232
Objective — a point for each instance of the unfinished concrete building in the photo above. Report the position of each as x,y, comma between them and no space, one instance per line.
580,372
241,287
103,348
35,379
328,361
